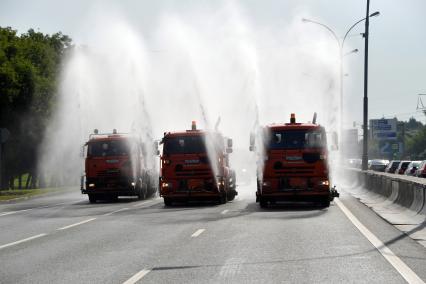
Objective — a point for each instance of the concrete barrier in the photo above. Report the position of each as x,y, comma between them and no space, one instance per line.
405,191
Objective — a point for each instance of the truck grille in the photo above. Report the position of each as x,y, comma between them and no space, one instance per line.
284,171
193,172
110,173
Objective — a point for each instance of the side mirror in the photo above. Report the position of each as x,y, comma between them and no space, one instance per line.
252,141
229,143
156,151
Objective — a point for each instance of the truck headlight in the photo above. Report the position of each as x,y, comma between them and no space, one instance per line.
91,185
166,185
324,182
133,183
266,183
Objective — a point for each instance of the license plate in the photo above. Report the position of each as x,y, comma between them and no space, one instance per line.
298,182
195,183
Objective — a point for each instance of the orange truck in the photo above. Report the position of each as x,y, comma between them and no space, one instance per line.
294,163
115,166
187,170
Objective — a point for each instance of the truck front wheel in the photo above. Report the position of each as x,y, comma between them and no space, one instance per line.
167,201
92,198
263,203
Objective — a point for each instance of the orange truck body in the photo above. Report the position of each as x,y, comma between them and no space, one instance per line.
295,165
114,167
186,172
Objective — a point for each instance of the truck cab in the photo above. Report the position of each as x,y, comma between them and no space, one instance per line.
114,166
194,165
294,159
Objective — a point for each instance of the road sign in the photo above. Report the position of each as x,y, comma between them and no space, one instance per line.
383,129
4,135
390,147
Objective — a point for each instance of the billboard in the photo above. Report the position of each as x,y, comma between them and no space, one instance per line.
383,129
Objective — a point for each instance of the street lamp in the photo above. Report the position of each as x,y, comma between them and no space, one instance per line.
341,45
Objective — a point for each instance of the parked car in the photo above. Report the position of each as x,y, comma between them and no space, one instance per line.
421,170
354,163
378,165
392,166
412,167
402,167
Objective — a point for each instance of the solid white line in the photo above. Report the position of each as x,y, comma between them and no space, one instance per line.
197,233
138,276
76,224
22,241
409,275
224,211
119,210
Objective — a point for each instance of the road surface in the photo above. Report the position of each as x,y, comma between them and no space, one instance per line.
62,238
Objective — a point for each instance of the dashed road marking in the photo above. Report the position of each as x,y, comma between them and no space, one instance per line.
116,211
29,209
224,212
76,224
144,203
409,275
138,276
14,212
197,233
22,241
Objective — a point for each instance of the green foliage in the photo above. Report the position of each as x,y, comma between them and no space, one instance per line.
416,145
29,70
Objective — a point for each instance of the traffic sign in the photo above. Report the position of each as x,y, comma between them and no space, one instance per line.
383,129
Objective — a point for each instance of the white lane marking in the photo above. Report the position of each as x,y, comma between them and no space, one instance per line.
76,224
224,212
197,233
409,275
145,202
138,276
40,207
119,210
22,241
14,212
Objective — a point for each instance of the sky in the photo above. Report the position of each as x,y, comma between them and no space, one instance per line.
397,50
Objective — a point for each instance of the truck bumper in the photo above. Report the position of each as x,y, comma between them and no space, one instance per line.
306,196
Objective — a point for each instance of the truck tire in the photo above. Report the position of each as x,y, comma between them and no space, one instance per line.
325,203
223,198
263,203
231,196
167,201
92,198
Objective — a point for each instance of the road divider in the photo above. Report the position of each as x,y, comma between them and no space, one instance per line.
138,276
197,233
76,224
22,241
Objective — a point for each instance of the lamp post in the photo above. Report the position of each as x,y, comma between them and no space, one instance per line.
341,45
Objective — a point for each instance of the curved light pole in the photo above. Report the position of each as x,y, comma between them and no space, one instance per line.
341,45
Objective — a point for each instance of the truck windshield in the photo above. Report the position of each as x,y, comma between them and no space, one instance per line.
296,139
108,148
184,145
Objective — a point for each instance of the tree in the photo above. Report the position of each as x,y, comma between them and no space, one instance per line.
29,70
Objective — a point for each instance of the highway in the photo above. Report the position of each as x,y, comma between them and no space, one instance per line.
62,238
